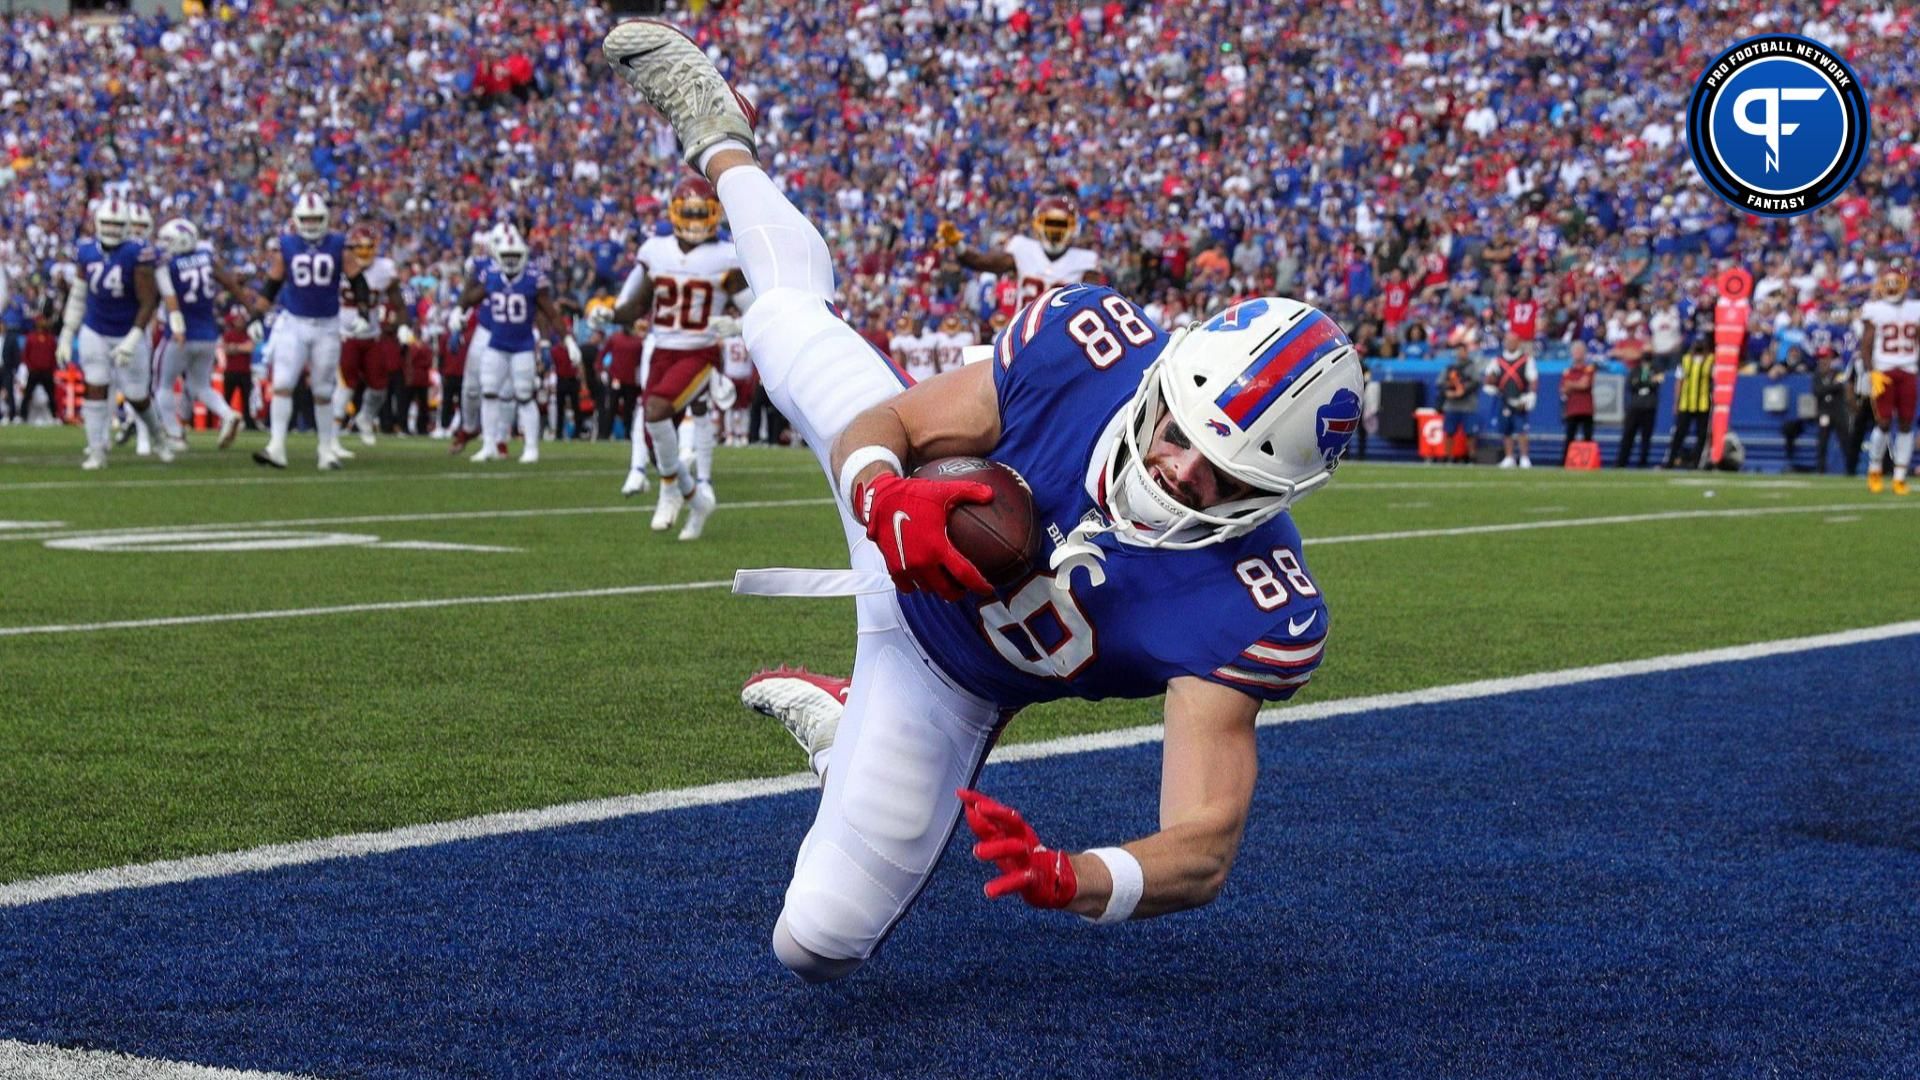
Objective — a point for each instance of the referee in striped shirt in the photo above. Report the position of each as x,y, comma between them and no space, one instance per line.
1692,405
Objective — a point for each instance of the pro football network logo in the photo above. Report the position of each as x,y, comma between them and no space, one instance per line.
1338,420
1778,125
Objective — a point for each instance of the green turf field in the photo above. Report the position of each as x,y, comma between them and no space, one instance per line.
137,743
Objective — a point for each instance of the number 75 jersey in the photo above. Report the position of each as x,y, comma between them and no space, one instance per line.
1244,613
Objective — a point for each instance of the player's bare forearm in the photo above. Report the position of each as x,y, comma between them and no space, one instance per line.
955,412
1207,775
473,294
396,307
991,262
147,291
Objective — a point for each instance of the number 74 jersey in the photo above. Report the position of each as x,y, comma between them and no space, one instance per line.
1244,613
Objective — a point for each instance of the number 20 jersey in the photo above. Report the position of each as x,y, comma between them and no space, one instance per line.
688,289
1244,612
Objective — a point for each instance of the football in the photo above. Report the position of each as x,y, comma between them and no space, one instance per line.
1002,537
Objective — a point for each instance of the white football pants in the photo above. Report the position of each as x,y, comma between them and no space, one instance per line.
192,361
909,736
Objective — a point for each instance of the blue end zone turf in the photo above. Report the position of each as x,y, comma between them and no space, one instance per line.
1709,871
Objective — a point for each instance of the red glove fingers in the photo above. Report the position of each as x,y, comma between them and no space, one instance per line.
907,520
1043,878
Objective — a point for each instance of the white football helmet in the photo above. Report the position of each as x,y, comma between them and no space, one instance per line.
110,221
1267,390
310,216
509,250
139,221
179,236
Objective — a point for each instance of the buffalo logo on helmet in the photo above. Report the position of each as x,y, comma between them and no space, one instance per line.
1219,428
694,210
1056,219
1238,317
1338,419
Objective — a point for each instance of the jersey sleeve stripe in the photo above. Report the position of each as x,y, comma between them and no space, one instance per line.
1003,348
1284,657
1261,680
1035,312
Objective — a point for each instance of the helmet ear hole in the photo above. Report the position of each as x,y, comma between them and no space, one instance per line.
1267,448
1200,380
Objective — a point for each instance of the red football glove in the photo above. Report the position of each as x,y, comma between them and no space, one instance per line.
907,519
1043,878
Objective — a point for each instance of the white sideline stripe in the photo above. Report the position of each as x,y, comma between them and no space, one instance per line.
364,478
1616,519
172,871
636,590
388,519
351,609
11,526
26,1061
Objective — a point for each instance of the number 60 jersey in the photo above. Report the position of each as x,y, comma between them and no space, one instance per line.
1243,612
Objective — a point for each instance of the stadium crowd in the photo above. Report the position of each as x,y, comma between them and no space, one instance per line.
1524,154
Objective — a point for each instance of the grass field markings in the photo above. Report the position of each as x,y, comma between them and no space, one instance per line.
1616,519
354,609
612,473
16,526
1841,519
1409,506
18,1059
1717,480
272,856
627,590
436,545
389,519
1547,509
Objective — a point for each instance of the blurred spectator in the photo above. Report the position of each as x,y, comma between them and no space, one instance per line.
1576,396
1692,406
622,386
38,358
1643,408
1833,405
236,368
415,413
453,372
1460,403
1512,378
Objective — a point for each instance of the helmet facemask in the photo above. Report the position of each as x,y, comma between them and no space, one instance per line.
510,251
695,220
1147,514
310,218
1056,226
110,223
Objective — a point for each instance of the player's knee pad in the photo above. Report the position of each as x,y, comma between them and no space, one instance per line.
804,962
323,387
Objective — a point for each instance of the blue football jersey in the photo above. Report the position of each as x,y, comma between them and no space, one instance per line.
112,303
194,287
510,302
1244,612
314,268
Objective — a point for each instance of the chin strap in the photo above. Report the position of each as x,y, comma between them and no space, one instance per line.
1079,552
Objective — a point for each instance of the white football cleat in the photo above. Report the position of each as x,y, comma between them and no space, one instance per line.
670,503
275,456
94,459
163,451
228,430
329,461
365,430
1526,463
176,444
807,705
666,68
698,508
485,453
1506,463
530,455
339,451
636,483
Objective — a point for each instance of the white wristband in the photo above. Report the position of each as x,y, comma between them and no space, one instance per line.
1128,883
858,461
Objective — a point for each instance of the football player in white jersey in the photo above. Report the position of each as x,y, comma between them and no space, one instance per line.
1040,262
681,285
366,354
952,340
913,351
1890,340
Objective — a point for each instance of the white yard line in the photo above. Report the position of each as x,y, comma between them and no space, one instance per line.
611,474
173,871
636,590
353,609
23,1061
379,519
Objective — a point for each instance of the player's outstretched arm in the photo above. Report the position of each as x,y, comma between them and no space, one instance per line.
1206,786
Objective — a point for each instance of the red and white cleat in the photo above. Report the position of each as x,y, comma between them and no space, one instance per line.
458,441
807,705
